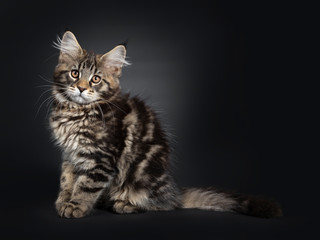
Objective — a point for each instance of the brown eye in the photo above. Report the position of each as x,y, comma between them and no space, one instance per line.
75,73
96,79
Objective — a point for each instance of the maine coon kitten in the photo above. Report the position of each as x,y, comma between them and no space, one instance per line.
115,152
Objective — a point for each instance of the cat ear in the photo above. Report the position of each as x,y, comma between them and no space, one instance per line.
68,46
114,60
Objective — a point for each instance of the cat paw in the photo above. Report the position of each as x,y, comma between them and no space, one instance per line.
72,210
124,208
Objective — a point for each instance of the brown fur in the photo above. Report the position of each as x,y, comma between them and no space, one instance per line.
115,152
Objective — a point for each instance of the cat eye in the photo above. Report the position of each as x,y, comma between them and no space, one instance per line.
75,73
96,79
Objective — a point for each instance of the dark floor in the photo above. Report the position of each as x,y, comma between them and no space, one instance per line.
39,221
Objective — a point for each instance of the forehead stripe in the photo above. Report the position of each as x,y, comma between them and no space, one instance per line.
92,65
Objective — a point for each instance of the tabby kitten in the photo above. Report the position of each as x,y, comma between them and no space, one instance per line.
115,153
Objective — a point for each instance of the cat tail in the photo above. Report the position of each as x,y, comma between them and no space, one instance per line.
216,200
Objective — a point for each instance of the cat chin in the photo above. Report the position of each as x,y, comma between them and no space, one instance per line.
80,100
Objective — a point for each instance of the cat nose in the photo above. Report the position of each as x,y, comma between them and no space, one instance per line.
81,89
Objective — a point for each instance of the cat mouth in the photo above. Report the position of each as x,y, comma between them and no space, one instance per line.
80,99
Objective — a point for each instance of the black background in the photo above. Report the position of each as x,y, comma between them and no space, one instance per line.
227,79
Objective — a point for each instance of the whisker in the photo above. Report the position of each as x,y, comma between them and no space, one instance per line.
102,115
49,107
94,111
115,106
42,95
47,99
49,81
51,100
113,118
53,55
51,86
40,86
60,85
45,79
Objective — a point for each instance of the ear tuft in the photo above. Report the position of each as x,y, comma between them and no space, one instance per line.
116,58
125,43
68,45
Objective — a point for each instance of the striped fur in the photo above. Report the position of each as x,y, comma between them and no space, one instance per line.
115,153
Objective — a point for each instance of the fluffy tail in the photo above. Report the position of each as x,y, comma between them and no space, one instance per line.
212,199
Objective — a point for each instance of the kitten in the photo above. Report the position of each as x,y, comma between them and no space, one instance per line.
115,153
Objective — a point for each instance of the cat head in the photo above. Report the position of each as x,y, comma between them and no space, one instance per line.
83,77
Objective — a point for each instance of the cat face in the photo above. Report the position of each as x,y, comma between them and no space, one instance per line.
84,78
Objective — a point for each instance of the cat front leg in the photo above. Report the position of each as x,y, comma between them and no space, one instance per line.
86,191
67,181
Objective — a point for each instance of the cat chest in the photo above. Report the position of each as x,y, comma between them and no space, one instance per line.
73,134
